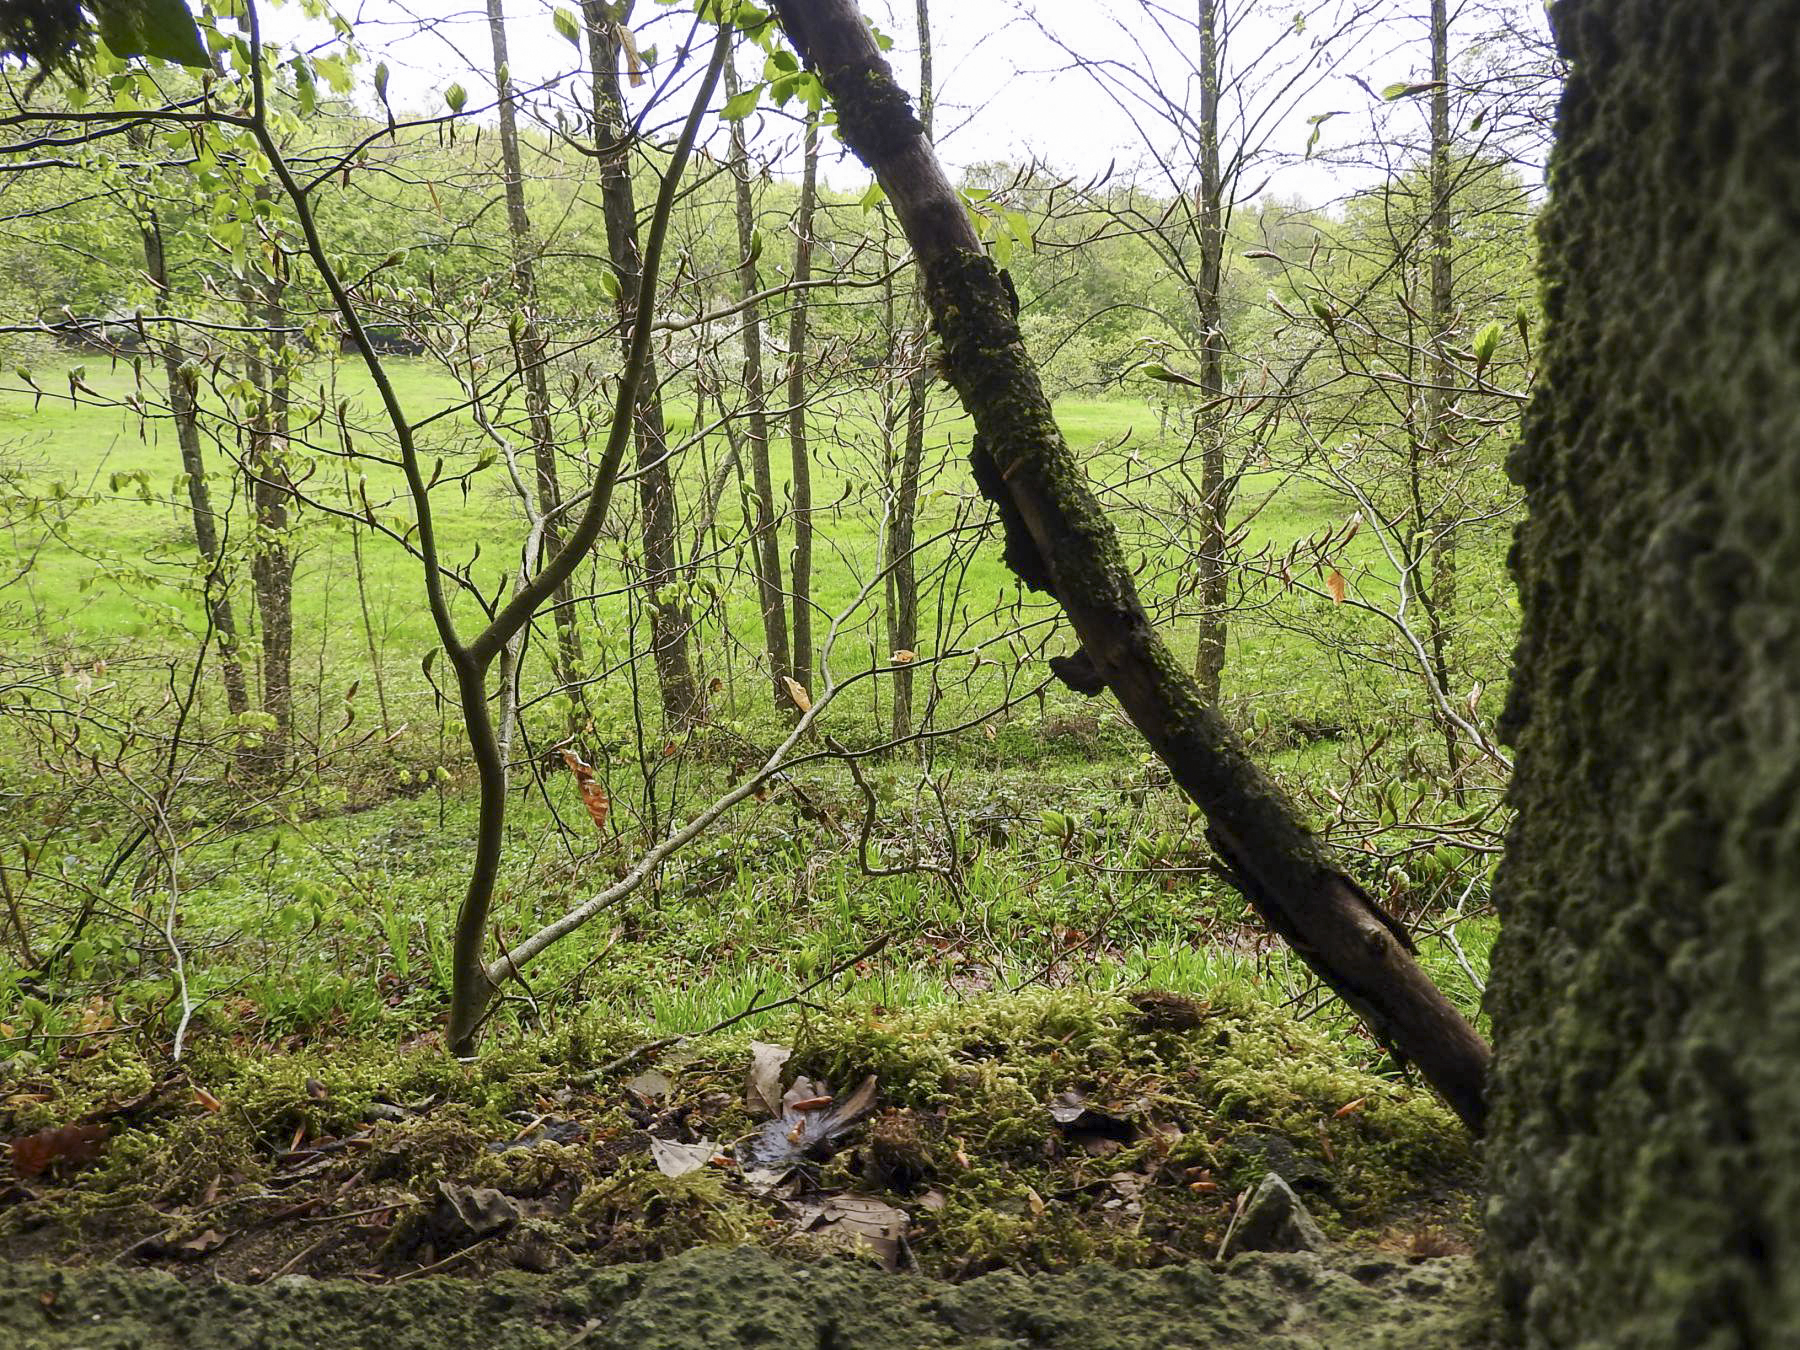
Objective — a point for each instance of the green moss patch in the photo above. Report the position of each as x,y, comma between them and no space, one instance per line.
1038,1131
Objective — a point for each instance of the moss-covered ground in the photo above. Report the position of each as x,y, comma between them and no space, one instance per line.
1031,1132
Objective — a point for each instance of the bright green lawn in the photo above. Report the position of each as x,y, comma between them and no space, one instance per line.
301,917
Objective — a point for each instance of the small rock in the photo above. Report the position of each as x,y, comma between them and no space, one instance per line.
1156,1010
465,1213
1276,1221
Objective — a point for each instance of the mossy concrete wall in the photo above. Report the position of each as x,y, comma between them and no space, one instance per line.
727,1300
1645,1160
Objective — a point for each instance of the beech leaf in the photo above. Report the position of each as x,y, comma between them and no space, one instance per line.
593,795
797,692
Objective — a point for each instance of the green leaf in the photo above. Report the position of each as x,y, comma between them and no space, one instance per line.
456,96
160,28
1405,90
567,24
873,198
304,87
1317,122
1156,371
335,71
1487,342
381,81
737,108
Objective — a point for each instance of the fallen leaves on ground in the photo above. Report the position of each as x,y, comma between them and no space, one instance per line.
762,1088
675,1159
70,1145
469,1212
1099,1130
855,1221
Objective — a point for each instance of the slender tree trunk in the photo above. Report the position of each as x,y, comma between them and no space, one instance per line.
185,412
800,453
903,526
1441,609
1059,540
532,352
360,570
1215,486
670,621
272,559
473,982
765,544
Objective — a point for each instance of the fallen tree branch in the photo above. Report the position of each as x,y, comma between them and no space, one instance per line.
1059,540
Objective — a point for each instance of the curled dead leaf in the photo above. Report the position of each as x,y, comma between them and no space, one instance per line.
634,61
201,1243
856,1221
593,795
1337,586
797,692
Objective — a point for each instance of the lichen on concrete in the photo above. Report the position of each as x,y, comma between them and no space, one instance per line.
1645,1166
728,1299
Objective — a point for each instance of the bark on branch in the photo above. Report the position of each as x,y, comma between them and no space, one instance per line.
1060,541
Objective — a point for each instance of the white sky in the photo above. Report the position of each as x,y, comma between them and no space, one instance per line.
1005,89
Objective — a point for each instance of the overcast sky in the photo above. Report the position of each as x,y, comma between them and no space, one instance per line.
1007,85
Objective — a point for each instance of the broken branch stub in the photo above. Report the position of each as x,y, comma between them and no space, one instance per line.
1059,540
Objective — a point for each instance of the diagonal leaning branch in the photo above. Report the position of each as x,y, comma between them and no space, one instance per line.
1059,540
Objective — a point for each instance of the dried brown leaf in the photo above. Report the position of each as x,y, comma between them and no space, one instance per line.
674,1159
32,1154
634,62
593,795
797,692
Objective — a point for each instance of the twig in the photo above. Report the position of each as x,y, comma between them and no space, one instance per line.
1231,1228
12,905
871,805
754,1009
298,1257
448,1260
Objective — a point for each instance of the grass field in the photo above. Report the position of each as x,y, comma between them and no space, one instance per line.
779,896
119,572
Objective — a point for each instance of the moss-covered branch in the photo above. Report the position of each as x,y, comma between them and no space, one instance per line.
1059,540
